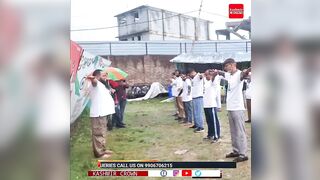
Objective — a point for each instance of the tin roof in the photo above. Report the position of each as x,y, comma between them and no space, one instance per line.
164,47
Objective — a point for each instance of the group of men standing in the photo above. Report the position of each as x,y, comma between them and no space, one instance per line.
196,92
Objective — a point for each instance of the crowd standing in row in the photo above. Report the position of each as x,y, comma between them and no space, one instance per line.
196,92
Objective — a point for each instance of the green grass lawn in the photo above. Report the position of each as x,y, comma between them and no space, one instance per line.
152,133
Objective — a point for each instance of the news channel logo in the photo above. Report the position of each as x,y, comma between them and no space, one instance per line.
176,173
197,173
163,173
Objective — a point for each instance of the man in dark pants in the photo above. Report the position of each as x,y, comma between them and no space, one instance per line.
113,120
116,118
122,98
187,99
210,105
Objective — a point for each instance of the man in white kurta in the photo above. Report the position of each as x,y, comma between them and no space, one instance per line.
102,105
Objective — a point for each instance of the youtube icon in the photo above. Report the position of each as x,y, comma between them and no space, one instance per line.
186,173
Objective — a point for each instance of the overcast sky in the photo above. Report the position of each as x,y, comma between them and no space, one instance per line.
100,13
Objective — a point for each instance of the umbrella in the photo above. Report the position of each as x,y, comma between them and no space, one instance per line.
115,73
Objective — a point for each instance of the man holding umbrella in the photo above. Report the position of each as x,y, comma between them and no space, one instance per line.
117,81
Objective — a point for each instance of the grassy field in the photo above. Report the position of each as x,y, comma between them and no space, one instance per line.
152,133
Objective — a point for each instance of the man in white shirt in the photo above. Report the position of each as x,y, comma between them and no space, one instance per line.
235,108
178,84
217,84
197,99
248,97
210,105
102,105
187,99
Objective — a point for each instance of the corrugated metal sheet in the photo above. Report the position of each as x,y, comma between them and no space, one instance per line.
164,47
205,58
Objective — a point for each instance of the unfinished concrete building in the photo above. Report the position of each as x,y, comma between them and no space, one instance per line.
146,23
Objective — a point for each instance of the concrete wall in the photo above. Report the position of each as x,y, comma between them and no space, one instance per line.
155,26
157,37
173,23
145,69
172,27
202,30
187,28
134,28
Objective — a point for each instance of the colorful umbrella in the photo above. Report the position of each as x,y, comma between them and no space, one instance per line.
115,73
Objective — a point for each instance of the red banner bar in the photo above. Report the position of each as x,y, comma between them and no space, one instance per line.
75,57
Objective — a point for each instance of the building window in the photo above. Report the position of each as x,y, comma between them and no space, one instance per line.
123,21
136,16
139,38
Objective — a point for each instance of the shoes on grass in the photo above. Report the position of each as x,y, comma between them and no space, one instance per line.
208,138
215,140
199,130
232,155
241,158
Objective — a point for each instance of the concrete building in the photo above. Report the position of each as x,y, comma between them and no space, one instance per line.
146,23
234,27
